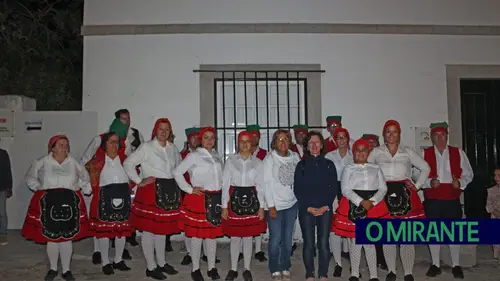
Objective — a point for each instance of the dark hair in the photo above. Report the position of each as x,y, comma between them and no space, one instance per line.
105,138
120,112
275,136
308,138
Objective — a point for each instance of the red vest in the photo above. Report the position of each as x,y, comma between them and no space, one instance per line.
445,191
296,150
330,145
95,166
261,154
184,154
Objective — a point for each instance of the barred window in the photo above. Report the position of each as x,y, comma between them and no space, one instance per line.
272,100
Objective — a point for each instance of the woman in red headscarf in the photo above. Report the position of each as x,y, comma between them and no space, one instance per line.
111,201
242,203
397,161
156,206
201,211
57,214
364,189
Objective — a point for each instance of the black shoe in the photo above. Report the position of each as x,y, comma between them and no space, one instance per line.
126,255
168,269
433,271
457,272
68,276
121,266
231,275
96,258
132,241
260,256
108,269
155,274
247,275
240,257
337,271
51,275
186,260
196,276
409,277
294,247
353,278
168,247
213,273
390,277
373,279
345,255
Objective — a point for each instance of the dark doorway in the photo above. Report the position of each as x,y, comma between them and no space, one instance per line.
480,101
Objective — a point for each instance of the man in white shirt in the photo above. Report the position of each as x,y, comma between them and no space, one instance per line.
450,174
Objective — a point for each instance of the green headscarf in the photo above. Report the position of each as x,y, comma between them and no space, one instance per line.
119,128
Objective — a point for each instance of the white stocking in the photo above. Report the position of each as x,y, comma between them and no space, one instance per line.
104,245
204,247
187,242
53,254
96,245
196,245
211,245
390,257
159,243
346,245
371,259
247,251
355,256
235,248
119,248
407,253
336,245
455,254
435,254
258,244
148,249
66,251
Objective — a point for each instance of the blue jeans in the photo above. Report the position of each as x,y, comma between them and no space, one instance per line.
308,225
3,213
280,239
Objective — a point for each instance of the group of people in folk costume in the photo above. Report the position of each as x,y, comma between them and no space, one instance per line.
327,183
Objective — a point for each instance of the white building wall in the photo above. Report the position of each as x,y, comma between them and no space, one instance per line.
453,12
368,78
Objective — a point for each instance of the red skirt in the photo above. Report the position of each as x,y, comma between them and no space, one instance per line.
103,222
243,222
402,201
56,215
147,216
197,210
345,227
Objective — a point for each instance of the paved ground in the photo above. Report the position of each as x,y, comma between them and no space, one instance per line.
21,260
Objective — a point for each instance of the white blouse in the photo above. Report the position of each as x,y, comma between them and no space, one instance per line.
96,142
363,177
240,172
155,160
399,167
340,162
113,172
46,173
205,170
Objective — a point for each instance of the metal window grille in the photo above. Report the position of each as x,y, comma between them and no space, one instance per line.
271,99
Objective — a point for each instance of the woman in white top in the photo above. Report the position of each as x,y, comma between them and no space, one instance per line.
111,201
242,204
57,214
279,170
341,157
397,161
202,207
156,206
364,189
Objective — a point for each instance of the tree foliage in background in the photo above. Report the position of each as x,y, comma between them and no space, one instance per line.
41,52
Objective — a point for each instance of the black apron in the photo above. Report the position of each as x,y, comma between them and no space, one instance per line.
114,202
213,207
398,199
244,201
167,194
359,212
60,213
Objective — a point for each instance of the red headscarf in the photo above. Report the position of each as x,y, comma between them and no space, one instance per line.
360,142
340,130
244,133
391,123
157,124
204,130
54,139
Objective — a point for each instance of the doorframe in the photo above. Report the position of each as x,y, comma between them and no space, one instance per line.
453,75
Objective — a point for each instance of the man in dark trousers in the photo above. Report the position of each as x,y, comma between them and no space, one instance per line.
5,193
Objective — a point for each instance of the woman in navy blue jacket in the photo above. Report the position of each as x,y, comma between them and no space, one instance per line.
315,186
